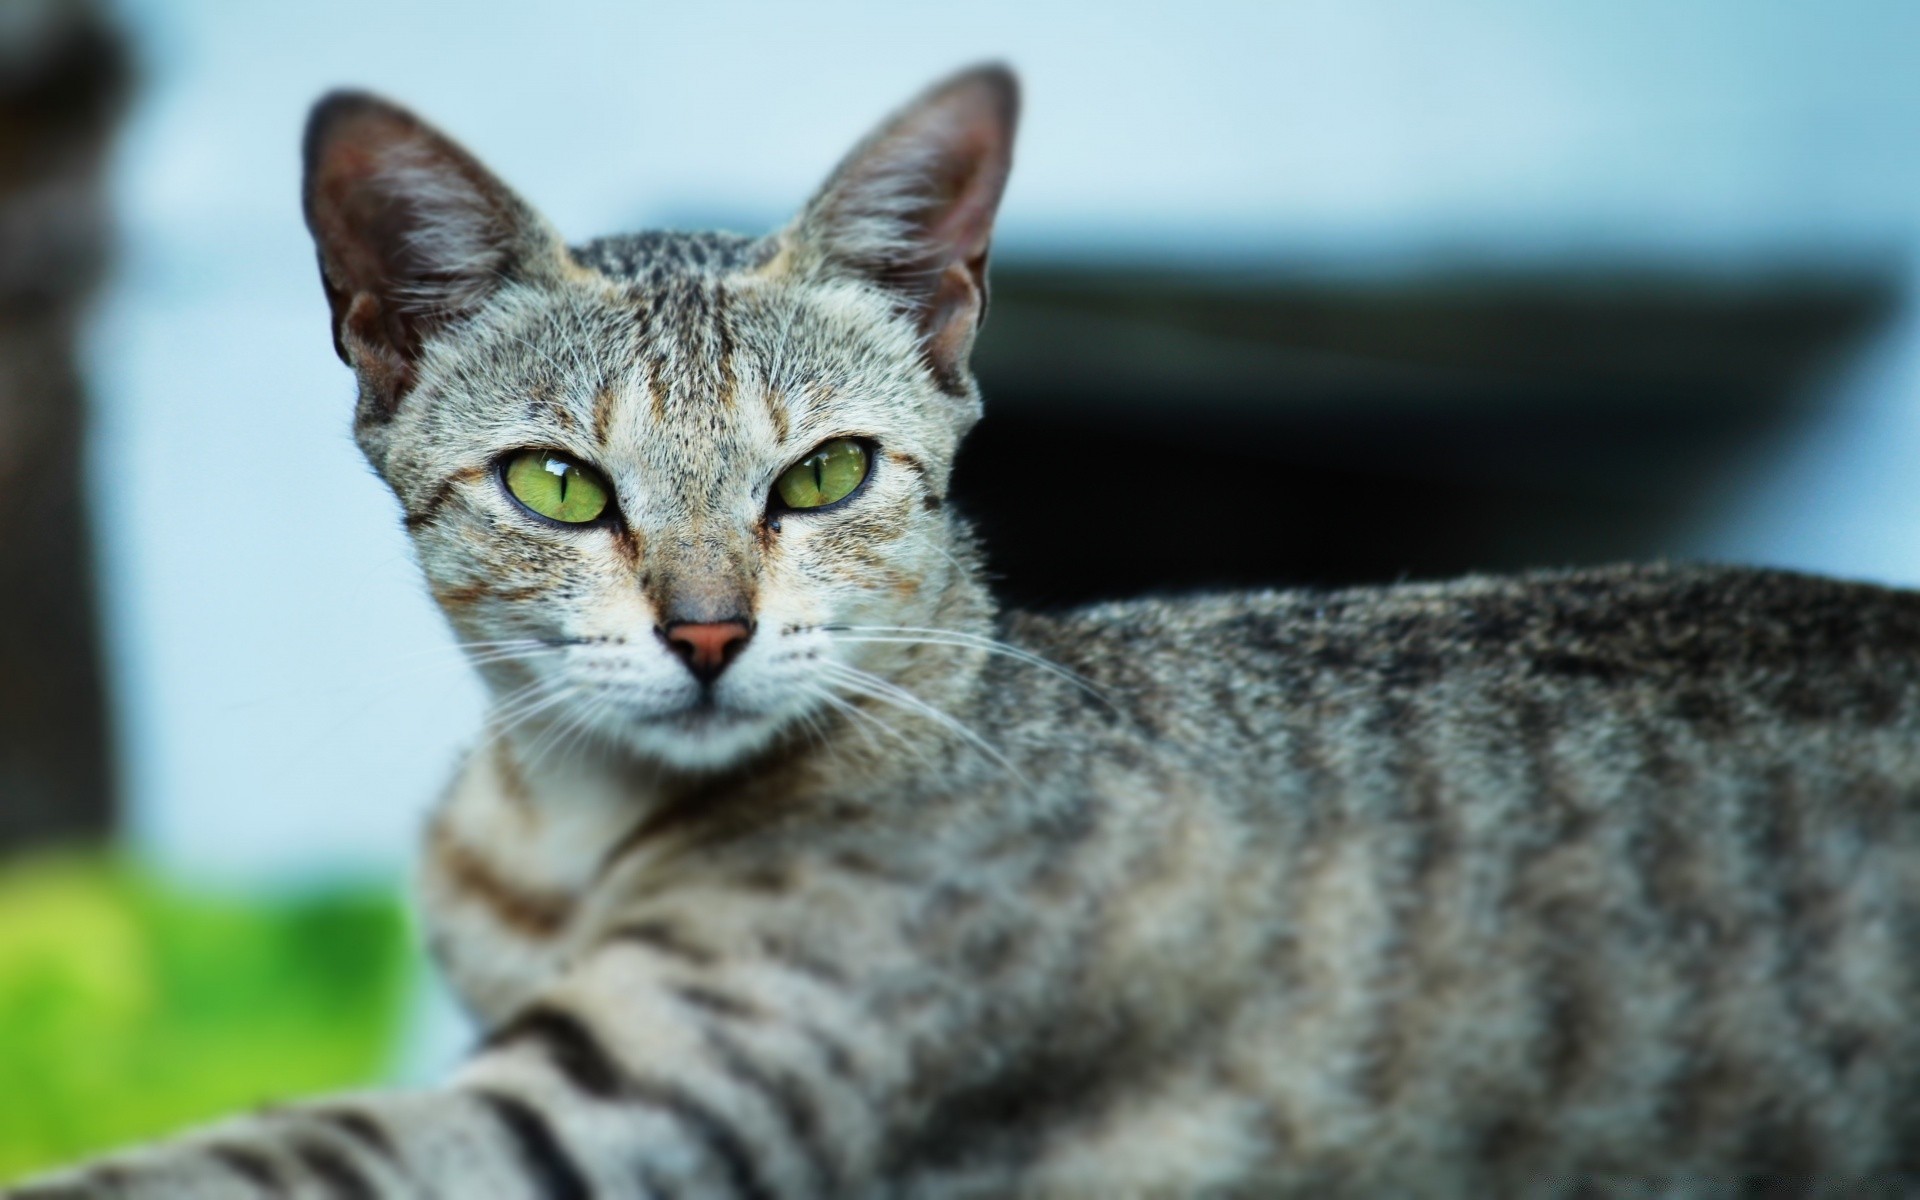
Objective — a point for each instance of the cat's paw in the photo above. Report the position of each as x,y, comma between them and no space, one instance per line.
49,1191
66,1185
59,1185
150,1177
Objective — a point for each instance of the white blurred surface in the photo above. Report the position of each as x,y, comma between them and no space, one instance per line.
287,696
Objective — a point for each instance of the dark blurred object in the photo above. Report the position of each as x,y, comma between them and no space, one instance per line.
63,80
1165,431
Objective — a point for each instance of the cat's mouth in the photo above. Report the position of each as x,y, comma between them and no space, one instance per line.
684,722
704,733
704,715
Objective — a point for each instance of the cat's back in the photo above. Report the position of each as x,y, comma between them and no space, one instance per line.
1546,877
1717,650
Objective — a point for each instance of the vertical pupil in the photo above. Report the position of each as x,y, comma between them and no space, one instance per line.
819,478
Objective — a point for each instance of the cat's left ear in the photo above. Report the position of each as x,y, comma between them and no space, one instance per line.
912,207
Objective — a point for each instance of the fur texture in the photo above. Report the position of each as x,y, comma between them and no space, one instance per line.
1574,884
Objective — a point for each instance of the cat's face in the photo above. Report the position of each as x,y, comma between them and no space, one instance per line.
663,486
687,414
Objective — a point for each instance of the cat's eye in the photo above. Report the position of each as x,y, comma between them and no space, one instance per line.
556,487
825,476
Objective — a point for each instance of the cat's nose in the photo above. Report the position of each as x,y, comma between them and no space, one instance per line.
707,646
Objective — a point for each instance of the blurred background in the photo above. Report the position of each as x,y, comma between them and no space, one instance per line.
1370,290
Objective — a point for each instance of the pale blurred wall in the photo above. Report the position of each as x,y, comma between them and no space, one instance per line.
287,693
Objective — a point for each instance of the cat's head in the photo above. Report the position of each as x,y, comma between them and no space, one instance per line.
660,483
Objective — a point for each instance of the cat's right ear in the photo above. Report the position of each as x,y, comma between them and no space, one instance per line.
412,232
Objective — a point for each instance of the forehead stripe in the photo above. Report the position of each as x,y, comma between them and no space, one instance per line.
776,403
657,387
603,404
723,337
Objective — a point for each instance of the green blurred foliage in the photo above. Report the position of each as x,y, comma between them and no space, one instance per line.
130,1007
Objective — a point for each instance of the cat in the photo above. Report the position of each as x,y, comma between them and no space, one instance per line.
788,866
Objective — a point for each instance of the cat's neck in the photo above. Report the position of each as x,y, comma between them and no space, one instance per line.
534,825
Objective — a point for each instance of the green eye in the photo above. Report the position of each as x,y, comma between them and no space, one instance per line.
555,486
830,473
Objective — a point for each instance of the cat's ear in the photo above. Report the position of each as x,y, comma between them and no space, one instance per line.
912,207
413,233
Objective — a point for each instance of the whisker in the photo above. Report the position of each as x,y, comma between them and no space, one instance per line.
547,741
868,722
399,668
591,730
526,710
961,639
505,705
956,563
879,689
500,656
809,721
558,736
449,648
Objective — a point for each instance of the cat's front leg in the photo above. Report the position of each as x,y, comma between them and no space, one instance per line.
654,1067
552,1111
488,1144
816,1030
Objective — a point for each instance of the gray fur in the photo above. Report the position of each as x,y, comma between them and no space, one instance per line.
1590,883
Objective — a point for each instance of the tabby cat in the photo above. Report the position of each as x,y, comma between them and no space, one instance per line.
788,867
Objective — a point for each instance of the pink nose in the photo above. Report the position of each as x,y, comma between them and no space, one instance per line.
707,646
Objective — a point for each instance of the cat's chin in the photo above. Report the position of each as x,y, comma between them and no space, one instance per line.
703,739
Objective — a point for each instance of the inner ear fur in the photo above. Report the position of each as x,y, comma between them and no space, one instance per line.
912,207
412,234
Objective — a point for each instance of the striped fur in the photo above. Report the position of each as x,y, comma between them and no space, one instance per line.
1591,883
